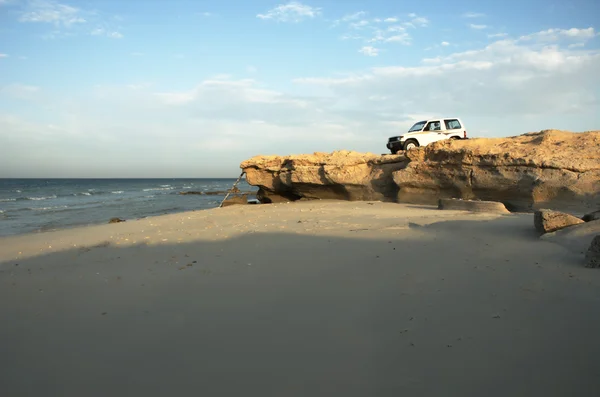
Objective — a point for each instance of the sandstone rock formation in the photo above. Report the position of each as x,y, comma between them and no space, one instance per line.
549,169
547,221
339,175
592,256
554,169
472,206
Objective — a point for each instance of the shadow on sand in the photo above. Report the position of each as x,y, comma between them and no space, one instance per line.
463,309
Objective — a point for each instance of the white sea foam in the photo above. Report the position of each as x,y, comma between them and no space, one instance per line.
41,198
158,188
165,185
117,192
6,200
49,208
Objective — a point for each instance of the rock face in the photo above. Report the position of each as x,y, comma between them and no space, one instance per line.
547,221
547,169
340,175
472,206
592,256
555,169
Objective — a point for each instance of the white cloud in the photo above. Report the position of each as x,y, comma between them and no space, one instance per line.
3,55
48,11
103,32
557,34
291,12
473,15
373,33
207,14
139,86
369,51
417,22
403,38
497,35
576,45
477,27
20,91
444,44
251,69
360,24
529,82
211,127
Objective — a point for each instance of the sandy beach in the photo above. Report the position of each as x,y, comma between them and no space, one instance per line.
318,298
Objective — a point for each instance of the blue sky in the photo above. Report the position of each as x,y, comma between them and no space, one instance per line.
177,88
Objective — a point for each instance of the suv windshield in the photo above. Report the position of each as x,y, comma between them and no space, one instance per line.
417,127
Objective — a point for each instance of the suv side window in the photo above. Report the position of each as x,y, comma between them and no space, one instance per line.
452,124
433,126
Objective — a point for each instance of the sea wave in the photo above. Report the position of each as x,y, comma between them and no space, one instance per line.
41,198
7,200
117,192
165,185
187,187
49,208
158,188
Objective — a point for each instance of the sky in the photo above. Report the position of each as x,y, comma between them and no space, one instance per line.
181,88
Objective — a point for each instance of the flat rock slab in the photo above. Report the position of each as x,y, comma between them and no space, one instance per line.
592,256
547,221
472,205
576,238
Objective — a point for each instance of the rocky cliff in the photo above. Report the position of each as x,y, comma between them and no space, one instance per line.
550,169
340,175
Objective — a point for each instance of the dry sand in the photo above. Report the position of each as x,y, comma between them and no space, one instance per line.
305,299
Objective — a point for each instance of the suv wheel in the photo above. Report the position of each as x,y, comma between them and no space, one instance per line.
410,144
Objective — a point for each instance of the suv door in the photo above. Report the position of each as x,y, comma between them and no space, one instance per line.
432,132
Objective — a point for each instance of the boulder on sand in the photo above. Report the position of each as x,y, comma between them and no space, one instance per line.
592,216
592,256
116,220
472,205
547,221
576,238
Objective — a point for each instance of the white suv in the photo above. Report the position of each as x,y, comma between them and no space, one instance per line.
425,132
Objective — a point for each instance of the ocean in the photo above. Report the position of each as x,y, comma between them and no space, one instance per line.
39,205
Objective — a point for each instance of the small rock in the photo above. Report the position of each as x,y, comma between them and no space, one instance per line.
592,256
546,221
243,199
592,216
116,220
